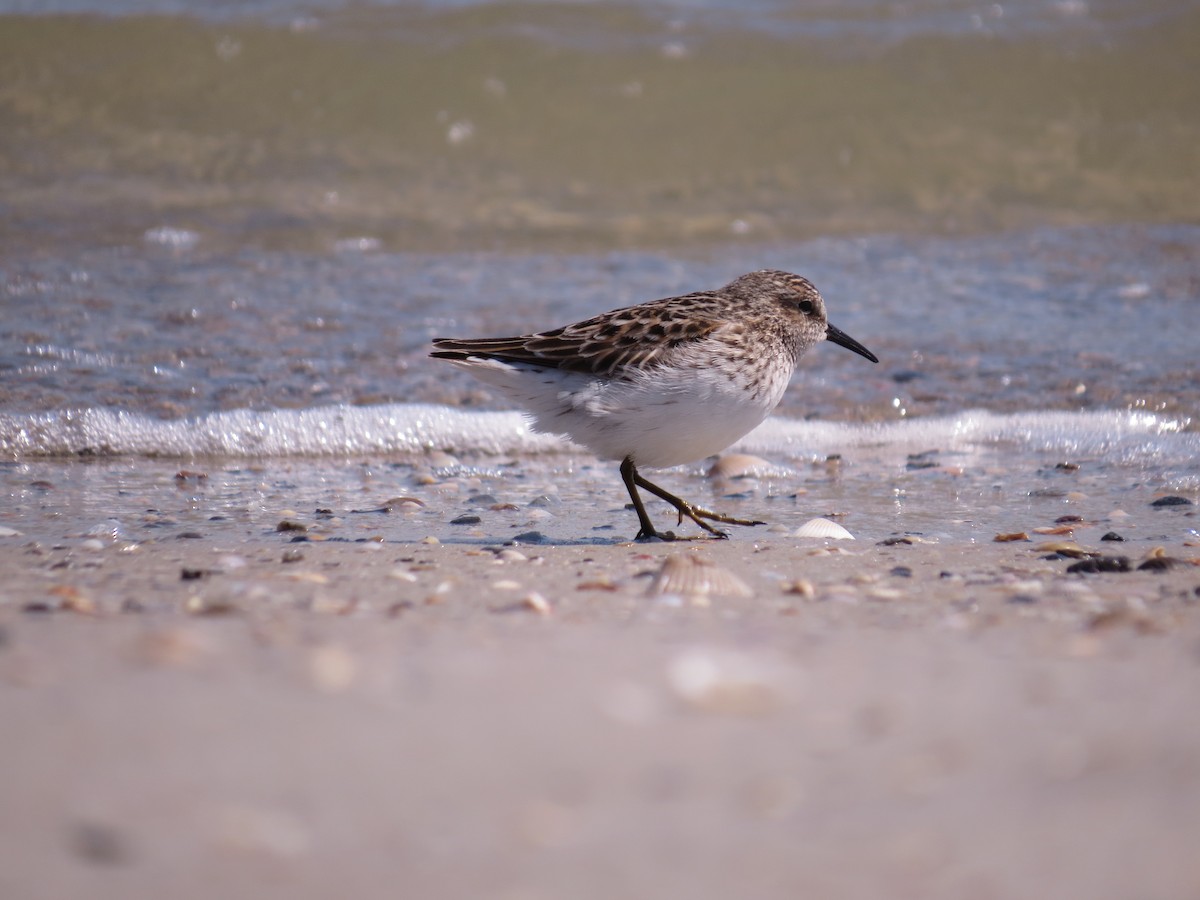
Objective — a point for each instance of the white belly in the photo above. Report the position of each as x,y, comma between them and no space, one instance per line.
663,418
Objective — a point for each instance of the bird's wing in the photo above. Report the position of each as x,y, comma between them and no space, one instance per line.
634,337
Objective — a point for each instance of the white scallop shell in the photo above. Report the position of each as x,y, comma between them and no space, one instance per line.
823,528
688,575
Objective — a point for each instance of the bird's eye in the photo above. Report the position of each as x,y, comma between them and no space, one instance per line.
806,307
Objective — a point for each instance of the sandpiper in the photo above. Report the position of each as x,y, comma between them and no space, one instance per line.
662,383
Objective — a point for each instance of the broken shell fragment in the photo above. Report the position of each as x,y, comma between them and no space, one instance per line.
1056,529
1064,548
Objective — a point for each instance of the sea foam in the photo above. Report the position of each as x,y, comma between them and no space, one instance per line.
419,428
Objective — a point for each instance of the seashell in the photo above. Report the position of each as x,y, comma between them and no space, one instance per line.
71,599
743,465
401,503
171,647
1056,529
309,577
1066,548
801,586
688,575
600,583
732,682
823,528
1006,537
537,603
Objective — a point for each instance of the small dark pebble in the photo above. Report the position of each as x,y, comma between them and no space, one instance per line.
481,500
901,572
924,460
945,574
299,539
192,574
218,518
545,500
98,843
1024,599
740,495
189,536
1112,536
1098,564
290,525
1067,467
1158,564
292,556
466,520
1063,520
906,375
1171,501
37,606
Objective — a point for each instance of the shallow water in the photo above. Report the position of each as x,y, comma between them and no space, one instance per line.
959,480
1078,319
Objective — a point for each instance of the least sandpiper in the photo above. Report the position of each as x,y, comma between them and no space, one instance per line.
662,383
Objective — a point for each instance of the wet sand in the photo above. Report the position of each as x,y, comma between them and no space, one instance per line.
271,717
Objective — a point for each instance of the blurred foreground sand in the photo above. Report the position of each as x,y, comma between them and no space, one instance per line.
438,720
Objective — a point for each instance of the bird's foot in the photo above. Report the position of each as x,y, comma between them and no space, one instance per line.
698,514
684,509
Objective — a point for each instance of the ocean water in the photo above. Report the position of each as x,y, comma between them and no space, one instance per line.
228,233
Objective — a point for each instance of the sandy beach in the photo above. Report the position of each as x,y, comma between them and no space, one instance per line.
283,717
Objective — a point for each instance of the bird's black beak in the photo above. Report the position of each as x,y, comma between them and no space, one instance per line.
842,339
